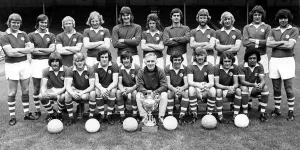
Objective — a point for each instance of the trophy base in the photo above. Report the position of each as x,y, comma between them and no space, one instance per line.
150,129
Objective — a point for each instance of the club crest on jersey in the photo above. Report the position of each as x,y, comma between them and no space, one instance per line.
233,36
47,39
208,36
157,38
101,33
109,71
287,36
230,73
62,78
22,38
181,75
74,40
132,75
262,30
86,77
205,73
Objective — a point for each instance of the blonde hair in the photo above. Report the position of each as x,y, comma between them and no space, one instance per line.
225,15
92,16
78,56
67,18
15,17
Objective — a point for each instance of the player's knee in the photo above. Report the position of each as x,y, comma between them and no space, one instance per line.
212,92
68,97
12,93
219,92
170,94
164,96
192,91
113,92
185,94
98,92
92,96
36,89
244,89
238,92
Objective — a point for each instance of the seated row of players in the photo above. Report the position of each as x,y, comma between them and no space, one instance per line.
198,81
16,45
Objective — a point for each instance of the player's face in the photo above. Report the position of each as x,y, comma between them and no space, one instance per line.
150,62
203,20
176,18
283,22
152,25
15,25
79,63
104,60
227,63
68,26
257,18
43,24
227,22
126,18
252,60
200,58
126,62
177,62
95,22
55,65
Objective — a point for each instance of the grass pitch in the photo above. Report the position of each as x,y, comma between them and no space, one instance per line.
277,133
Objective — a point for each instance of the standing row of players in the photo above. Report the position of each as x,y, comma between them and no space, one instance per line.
127,36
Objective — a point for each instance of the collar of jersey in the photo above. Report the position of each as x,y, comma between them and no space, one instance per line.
232,29
157,32
194,63
85,68
221,67
246,65
47,31
171,67
289,27
101,28
180,26
8,31
132,66
74,32
252,24
206,27
60,69
109,64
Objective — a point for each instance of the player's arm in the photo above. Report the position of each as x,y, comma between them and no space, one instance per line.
185,38
246,38
221,48
97,83
162,82
262,82
89,45
68,85
210,81
244,82
236,46
186,85
74,49
43,88
218,85
194,44
120,84
190,78
158,47
170,86
105,45
12,52
272,43
145,46
114,83
235,81
288,45
43,51
167,40
140,82
135,41
62,50
115,38
91,87
211,44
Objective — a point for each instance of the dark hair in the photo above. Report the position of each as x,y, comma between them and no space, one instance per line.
55,56
199,51
284,13
126,54
258,9
125,10
154,17
102,52
176,55
250,52
176,10
41,17
228,55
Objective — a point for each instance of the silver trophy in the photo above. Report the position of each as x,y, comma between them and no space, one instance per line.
149,104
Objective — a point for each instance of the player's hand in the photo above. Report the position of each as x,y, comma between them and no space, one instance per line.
121,40
133,38
252,40
171,39
75,95
123,91
231,90
179,90
105,93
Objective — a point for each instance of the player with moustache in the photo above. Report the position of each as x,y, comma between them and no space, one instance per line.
95,38
127,35
80,84
106,75
282,66
44,45
127,86
68,42
176,74
203,36
176,36
200,74
53,87
16,45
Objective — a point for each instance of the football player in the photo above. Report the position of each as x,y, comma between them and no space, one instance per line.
95,38
200,75
282,40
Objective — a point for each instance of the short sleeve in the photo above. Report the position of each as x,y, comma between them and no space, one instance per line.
218,35
261,69
107,33
69,72
238,35
167,71
235,70
91,72
30,35
120,72
4,40
294,34
137,69
52,38
86,33
190,69
26,37
115,68
144,36
59,39
46,73
80,38
210,70
241,70
217,71
213,33
193,33
184,71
